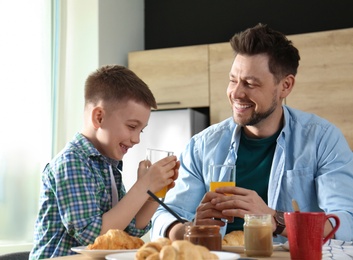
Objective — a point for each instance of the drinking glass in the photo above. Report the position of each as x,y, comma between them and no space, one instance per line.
154,155
222,175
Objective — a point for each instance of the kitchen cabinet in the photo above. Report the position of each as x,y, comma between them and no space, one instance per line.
221,59
178,77
324,83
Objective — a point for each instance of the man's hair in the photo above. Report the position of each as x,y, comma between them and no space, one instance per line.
114,83
283,56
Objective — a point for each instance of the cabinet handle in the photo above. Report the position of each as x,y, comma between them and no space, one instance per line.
169,103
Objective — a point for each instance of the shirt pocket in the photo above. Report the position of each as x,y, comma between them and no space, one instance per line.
299,184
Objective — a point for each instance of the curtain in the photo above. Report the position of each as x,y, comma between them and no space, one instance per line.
25,105
47,50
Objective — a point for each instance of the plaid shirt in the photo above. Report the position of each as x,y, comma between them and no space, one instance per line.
75,193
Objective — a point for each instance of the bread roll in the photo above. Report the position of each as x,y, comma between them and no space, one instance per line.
116,239
164,249
154,256
163,241
186,250
147,250
168,252
234,238
205,253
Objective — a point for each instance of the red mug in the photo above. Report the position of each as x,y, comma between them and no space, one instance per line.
305,231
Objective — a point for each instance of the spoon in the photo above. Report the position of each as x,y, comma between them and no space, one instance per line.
295,205
166,207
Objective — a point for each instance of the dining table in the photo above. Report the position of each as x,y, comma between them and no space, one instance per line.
332,249
279,254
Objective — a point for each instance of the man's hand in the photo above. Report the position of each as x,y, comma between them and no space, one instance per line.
207,213
240,202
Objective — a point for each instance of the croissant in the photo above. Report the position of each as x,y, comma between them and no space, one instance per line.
116,239
164,249
147,250
234,238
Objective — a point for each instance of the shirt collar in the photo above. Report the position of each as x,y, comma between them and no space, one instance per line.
91,151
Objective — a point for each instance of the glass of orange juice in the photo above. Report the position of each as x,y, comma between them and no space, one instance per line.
154,155
222,175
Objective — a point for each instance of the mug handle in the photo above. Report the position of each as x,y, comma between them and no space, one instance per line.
334,229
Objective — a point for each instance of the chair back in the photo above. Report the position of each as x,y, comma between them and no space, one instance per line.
15,256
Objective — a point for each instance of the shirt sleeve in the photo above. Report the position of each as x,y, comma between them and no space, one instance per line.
133,231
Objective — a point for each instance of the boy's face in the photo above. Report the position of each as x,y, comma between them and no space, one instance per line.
120,127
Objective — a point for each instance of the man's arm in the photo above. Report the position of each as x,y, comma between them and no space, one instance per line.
175,231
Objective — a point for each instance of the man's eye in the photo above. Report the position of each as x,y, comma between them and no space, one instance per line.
132,126
248,84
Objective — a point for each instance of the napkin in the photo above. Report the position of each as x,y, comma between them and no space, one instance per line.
337,250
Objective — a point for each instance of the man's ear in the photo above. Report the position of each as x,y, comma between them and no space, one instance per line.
97,117
287,85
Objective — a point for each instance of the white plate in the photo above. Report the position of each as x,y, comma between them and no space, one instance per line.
240,249
98,253
286,246
131,256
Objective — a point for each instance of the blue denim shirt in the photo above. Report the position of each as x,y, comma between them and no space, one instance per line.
312,164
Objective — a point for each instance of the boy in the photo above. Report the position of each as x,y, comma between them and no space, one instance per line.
82,194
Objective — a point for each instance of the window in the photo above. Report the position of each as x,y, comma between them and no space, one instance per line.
25,105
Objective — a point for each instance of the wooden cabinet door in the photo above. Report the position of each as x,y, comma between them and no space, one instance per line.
221,57
178,77
324,84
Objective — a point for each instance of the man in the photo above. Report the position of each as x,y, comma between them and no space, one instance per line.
280,153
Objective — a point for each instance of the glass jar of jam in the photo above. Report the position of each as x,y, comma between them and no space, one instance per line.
204,235
258,235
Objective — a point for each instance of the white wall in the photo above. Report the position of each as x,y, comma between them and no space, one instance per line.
121,30
93,33
77,47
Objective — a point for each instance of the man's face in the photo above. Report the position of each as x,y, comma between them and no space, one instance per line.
252,91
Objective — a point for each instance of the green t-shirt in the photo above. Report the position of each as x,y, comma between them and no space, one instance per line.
253,167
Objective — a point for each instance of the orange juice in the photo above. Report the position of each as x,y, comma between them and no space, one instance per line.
218,184
161,193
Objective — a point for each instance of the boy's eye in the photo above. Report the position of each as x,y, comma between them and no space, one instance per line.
132,126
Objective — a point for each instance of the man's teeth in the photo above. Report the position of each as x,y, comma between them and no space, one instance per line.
242,106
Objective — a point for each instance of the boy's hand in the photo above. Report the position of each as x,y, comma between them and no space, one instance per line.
176,174
160,174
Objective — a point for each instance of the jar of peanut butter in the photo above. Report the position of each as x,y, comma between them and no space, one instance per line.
204,235
258,235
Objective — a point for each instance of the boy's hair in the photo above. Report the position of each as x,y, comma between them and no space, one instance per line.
283,56
114,83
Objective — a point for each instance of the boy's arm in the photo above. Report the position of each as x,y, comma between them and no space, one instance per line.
133,204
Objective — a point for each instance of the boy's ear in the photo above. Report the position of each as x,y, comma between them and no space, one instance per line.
97,117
